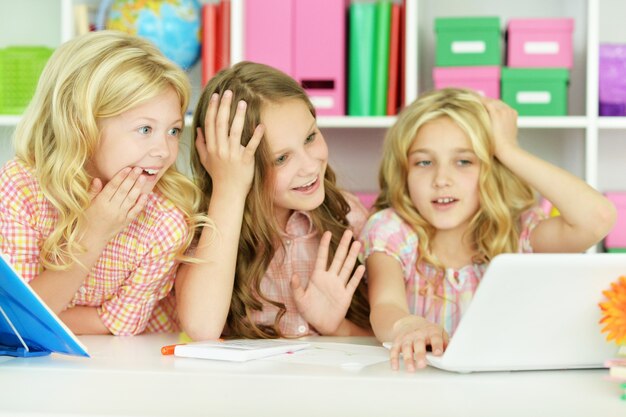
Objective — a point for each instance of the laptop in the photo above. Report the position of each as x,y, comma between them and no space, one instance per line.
27,326
535,311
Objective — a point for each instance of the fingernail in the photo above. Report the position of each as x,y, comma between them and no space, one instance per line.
214,96
438,352
241,104
228,93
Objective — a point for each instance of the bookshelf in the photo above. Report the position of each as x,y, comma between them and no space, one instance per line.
583,143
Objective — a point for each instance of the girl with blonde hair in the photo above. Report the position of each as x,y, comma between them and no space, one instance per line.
94,214
262,163
457,190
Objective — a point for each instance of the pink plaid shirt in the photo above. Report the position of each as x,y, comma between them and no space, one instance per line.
300,242
135,271
386,232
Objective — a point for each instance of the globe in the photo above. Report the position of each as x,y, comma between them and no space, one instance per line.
172,25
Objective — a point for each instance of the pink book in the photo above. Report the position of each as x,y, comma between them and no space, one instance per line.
209,23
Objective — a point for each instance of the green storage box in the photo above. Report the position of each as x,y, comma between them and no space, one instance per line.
536,92
468,41
20,68
615,250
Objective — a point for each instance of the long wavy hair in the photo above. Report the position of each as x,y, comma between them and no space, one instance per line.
258,85
92,77
495,228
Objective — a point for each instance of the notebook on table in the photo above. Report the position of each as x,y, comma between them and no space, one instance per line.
237,350
27,326
535,311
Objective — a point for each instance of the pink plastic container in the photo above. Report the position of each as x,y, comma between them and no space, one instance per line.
617,237
540,43
268,37
319,55
484,80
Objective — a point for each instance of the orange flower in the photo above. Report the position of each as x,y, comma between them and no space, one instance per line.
614,311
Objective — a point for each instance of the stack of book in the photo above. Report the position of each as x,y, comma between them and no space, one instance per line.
215,52
375,58
617,369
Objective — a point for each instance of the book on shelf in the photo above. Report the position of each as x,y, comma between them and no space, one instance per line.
394,59
362,22
381,58
209,41
237,350
215,50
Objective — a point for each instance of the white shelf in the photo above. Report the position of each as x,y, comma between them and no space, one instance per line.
9,121
612,122
556,122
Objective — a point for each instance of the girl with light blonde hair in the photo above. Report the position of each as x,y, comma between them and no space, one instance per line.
456,191
94,214
282,262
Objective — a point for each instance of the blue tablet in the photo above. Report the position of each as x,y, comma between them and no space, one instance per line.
27,326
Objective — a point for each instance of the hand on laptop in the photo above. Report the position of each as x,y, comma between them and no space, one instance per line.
413,335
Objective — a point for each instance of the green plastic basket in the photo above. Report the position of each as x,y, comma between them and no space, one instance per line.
20,68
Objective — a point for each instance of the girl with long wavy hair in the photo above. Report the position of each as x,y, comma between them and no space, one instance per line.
94,214
457,190
282,261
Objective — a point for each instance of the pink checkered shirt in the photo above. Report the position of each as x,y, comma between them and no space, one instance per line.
386,232
301,242
131,279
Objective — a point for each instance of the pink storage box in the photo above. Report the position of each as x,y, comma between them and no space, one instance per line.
268,37
484,80
319,55
617,237
285,34
542,43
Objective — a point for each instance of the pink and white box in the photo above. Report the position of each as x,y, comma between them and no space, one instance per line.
540,43
484,80
286,34
617,237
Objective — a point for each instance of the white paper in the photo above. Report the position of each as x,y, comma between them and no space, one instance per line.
343,355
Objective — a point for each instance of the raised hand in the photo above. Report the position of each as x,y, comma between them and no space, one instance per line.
228,162
116,204
414,334
325,300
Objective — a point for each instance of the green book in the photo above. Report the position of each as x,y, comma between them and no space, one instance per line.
362,21
381,58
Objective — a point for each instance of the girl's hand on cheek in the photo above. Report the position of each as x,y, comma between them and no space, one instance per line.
326,299
503,124
116,204
228,162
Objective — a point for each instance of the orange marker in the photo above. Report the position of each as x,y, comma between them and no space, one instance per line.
169,349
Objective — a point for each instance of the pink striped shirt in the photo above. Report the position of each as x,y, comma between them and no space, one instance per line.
135,271
388,233
300,242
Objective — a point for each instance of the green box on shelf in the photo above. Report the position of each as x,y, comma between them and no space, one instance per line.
468,41
536,92
20,68
616,250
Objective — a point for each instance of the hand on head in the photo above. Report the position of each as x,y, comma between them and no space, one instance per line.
325,300
503,124
228,162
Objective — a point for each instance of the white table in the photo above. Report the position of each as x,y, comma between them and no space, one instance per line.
129,377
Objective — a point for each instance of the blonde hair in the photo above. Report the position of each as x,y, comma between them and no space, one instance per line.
259,84
495,228
94,76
